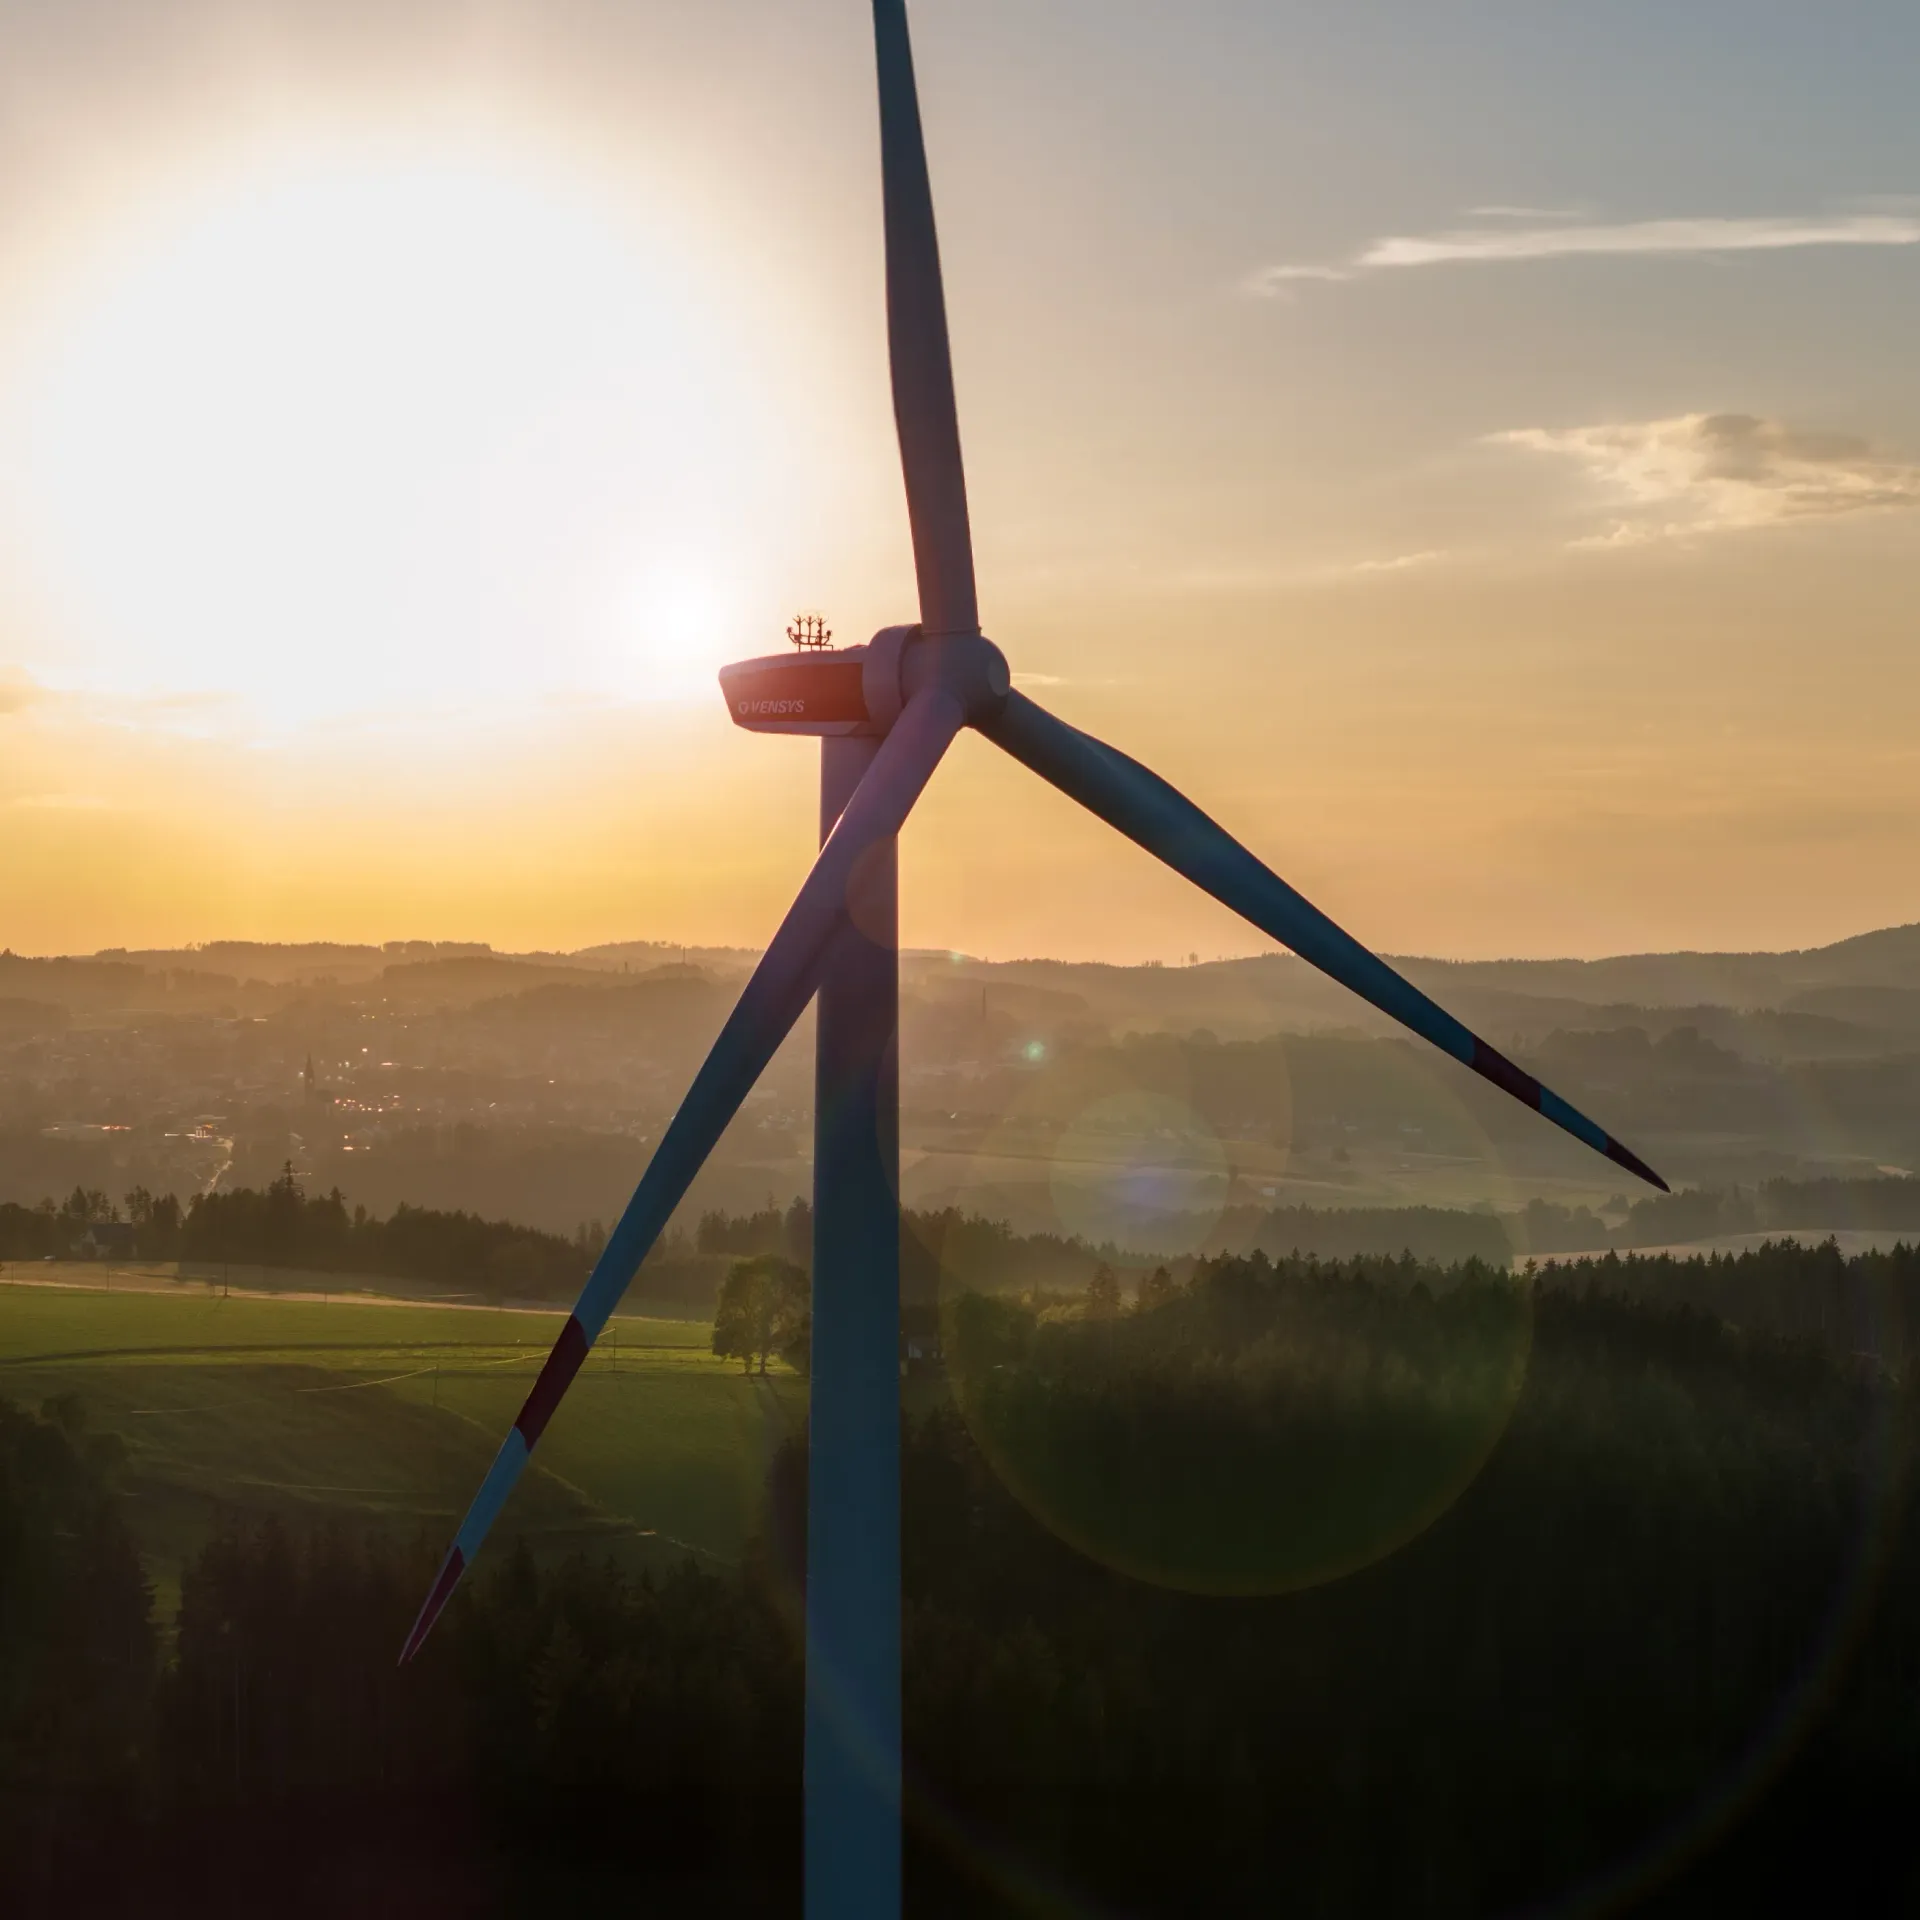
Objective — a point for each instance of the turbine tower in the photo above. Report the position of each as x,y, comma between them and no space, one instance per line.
886,713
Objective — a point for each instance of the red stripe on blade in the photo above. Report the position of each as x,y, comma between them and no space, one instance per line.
569,1352
451,1569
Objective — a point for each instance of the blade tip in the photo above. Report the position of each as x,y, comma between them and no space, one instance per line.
416,1639
1626,1157
451,1568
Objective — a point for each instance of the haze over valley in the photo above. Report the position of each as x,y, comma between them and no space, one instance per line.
1137,1105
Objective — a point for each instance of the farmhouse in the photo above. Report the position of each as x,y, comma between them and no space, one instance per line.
106,1240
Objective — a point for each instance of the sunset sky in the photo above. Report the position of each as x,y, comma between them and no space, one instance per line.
1475,451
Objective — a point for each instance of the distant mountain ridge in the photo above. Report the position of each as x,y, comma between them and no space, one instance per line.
1883,956
1869,982
1887,957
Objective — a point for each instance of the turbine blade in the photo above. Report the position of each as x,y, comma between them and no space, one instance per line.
1162,820
773,1000
922,365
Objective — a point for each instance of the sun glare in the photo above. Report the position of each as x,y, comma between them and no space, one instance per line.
374,431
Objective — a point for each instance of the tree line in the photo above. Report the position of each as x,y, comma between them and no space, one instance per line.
282,1226
1882,1203
946,1252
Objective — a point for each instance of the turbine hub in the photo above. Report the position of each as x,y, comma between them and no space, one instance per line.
968,665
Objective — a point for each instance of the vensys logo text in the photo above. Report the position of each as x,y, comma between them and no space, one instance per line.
771,706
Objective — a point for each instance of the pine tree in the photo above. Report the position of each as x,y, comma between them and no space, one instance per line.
1103,1293
1156,1290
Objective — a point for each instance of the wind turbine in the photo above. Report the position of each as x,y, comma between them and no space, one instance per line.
886,712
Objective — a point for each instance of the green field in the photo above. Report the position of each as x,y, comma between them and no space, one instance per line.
389,1413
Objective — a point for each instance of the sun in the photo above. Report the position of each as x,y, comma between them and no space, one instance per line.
375,429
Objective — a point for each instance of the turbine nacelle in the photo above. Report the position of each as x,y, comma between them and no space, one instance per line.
861,690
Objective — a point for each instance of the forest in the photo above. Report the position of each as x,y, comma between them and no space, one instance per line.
1406,1588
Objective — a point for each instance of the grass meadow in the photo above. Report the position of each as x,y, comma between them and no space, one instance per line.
388,1411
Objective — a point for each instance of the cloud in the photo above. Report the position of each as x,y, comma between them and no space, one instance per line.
1022,678
1642,237
1278,275
1278,283
1401,562
1500,245
1721,472
1504,212
1228,577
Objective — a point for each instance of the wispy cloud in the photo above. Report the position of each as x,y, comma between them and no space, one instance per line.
1278,576
1502,211
1276,276
1021,678
1721,472
1400,562
1506,244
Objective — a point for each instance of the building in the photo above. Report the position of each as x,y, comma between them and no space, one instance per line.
107,1240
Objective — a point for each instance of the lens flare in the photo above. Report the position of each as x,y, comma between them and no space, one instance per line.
1140,1168
1272,1425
